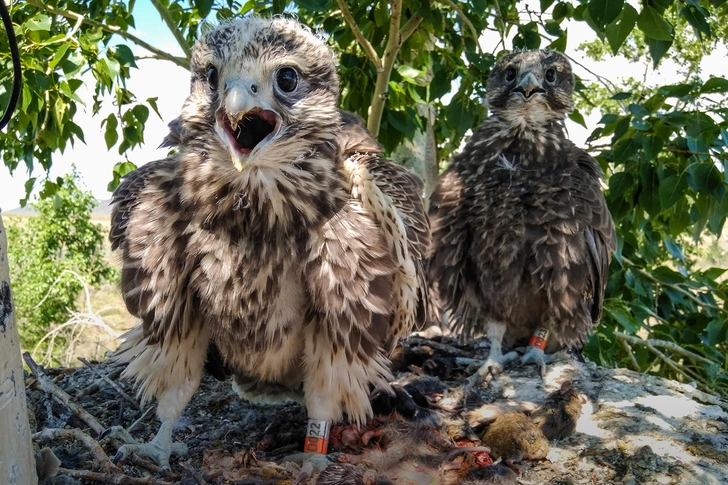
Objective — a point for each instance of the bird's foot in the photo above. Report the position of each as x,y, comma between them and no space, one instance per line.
492,367
158,450
311,463
534,355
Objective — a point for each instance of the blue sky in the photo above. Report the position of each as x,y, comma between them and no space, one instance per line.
170,84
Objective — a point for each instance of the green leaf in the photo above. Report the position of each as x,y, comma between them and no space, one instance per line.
204,7
654,25
696,19
640,124
59,54
652,146
618,31
706,177
621,96
141,112
412,75
676,90
458,116
604,12
545,4
671,190
638,110
715,85
126,55
658,49
577,117
111,136
38,23
153,103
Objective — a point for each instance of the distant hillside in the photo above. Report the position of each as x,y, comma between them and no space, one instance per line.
102,210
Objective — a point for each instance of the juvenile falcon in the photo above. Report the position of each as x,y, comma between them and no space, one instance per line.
276,236
522,237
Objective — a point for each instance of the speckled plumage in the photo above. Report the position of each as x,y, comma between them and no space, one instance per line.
301,261
522,236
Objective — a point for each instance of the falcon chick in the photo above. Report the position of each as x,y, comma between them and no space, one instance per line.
277,236
522,237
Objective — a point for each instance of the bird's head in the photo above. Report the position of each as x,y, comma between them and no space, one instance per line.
266,86
531,88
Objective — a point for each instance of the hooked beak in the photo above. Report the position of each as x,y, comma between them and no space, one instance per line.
245,122
528,86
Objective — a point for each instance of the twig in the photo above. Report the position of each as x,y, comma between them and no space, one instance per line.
194,473
164,13
113,384
112,479
180,61
363,42
410,27
62,396
141,418
466,21
91,444
664,344
91,388
683,370
436,345
689,295
630,353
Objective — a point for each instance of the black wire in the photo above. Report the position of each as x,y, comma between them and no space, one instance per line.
17,78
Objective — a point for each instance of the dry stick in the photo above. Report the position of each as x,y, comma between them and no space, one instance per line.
113,384
436,345
112,479
76,434
62,396
140,419
194,473
630,352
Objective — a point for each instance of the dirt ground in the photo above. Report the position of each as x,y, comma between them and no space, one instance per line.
629,428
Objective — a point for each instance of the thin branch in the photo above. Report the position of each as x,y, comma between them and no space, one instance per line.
180,61
665,344
62,396
91,444
390,54
686,293
111,383
683,370
410,27
466,21
363,42
630,353
112,479
164,13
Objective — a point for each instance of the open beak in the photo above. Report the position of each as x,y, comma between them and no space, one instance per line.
244,124
528,86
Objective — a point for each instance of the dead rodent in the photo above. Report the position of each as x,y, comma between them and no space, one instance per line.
558,414
514,437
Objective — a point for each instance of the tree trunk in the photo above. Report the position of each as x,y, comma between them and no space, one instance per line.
17,466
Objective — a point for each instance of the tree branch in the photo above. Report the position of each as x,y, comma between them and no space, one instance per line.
686,293
466,21
390,54
409,28
363,42
182,62
167,17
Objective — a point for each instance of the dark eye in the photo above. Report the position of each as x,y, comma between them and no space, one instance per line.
287,79
212,77
551,75
510,74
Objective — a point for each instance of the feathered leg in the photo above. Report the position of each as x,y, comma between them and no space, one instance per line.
172,373
496,360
